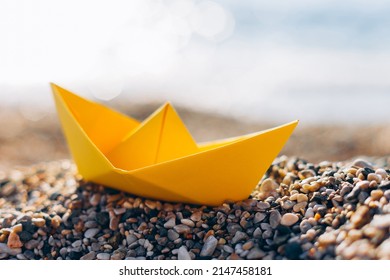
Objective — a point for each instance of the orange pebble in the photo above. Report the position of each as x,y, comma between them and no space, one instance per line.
14,241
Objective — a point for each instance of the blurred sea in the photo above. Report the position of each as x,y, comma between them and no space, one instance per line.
320,62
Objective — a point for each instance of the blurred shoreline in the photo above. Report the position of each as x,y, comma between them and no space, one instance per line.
24,141
312,106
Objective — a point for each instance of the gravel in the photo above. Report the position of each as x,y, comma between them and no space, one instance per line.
209,246
300,210
183,254
89,233
289,219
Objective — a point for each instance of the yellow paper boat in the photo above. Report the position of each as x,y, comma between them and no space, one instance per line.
158,158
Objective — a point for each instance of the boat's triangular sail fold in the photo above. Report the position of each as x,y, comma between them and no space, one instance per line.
105,127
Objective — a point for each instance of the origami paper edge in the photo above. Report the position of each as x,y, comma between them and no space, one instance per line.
54,90
145,121
182,198
239,139
69,111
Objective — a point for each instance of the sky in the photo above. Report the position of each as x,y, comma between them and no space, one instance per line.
318,61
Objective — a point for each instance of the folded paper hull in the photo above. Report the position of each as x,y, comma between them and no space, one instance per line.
205,174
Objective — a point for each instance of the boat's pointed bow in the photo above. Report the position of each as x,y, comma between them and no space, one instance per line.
89,159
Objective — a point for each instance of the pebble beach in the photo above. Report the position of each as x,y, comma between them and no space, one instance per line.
299,210
301,85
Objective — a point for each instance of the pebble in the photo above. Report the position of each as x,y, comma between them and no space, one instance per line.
381,221
182,229
183,254
257,233
95,199
248,245
265,226
90,233
103,256
387,195
301,197
289,219
307,173
170,223
209,246
259,217
268,185
95,246
304,226
300,206
346,189
77,243
327,239
263,205
239,236
32,244
288,204
21,257
374,177
91,224
172,235
228,249
188,222
234,256
63,251
114,222
360,217
381,172
56,221
384,250
119,211
25,236
17,228
293,250
363,184
196,216
233,228
118,254
14,241
256,254
103,219
131,238
362,163
7,190
274,218
151,204
39,222
4,249
376,194
29,254
353,194
89,256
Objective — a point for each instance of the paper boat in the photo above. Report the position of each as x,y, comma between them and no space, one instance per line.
158,158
